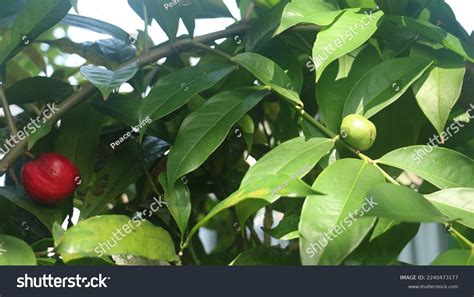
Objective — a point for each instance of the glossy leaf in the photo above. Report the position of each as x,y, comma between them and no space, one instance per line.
123,108
116,235
436,34
205,129
166,15
403,204
457,204
440,87
264,256
15,252
107,80
287,229
332,90
269,189
79,140
442,167
317,12
33,20
386,243
455,258
269,74
175,90
295,158
396,7
345,185
37,89
264,28
96,26
122,169
383,85
353,29
45,214
178,201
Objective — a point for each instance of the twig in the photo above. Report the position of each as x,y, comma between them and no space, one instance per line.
456,234
267,225
6,110
12,174
253,234
150,179
249,12
193,255
213,50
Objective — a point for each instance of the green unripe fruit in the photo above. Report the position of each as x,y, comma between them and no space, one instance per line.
358,132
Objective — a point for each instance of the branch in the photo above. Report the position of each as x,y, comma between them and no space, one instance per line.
153,55
6,110
213,50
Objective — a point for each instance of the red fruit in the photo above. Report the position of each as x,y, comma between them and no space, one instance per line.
50,178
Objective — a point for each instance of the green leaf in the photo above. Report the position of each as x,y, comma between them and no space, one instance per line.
269,189
176,89
383,85
317,12
269,74
205,129
353,28
206,9
123,108
74,5
79,140
178,201
442,167
361,3
287,229
294,158
403,204
96,26
439,88
332,91
287,59
116,235
457,204
264,256
385,245
345,185
455,258
264,28
37,89
33,20
47,215
107,80
122,169
394,7
436,34
36,134
165,15
15,252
